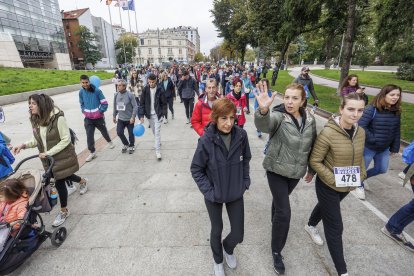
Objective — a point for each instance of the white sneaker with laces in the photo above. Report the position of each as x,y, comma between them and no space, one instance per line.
359,192
230,259
218,269
83,188
314,234
158,154
111,145
401,175
91,156
60,218
71,188
366,185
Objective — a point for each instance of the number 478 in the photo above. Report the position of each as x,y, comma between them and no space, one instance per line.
347,177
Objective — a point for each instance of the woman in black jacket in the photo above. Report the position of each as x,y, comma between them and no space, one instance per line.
168,88
382,124
220,167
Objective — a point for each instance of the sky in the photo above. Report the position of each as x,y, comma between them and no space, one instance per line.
154,14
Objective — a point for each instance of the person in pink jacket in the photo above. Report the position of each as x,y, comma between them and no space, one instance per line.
13,204
239,99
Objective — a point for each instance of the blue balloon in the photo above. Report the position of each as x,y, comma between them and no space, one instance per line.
139,130
95,80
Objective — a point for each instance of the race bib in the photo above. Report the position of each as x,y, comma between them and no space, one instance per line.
120,106
347,176
238,111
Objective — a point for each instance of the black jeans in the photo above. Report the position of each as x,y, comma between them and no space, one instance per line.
328,210
247,100
281,187
170,101
120,128
139,108
61,188
189,105
90,125
235,211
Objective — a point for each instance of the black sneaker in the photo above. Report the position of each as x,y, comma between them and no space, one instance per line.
399,238
124,149
278,264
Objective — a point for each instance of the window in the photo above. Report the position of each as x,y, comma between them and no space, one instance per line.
179,42
170,51
149,42
149,51
180,51
159,51
169,42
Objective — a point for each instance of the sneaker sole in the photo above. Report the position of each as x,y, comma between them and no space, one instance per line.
386,233
277,272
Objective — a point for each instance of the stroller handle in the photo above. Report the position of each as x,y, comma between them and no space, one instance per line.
49,158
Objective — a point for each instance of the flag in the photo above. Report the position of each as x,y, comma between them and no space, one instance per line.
122,3
130,6
108,2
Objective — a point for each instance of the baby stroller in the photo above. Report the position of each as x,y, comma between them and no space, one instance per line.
32,232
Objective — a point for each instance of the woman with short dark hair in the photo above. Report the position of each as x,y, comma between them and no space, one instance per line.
220,167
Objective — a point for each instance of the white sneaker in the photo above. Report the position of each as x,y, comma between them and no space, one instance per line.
366,185
90,157
165,120
71,188
111,145
83,188
158,154
60,218
218,269
401,175
345,274
360,193
314,234
188,121
230,259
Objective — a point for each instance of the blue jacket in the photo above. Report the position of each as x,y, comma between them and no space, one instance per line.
93,103
382,129
221,175
6,159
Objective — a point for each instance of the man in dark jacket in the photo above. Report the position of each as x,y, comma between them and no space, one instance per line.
168,88
187,88
153,105
306,81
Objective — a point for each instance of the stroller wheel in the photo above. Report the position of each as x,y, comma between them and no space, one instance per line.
58,236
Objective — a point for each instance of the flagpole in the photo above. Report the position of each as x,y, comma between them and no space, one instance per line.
112,29
123,39
138,40
130,30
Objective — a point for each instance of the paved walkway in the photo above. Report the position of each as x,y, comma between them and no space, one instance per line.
146,217
295,71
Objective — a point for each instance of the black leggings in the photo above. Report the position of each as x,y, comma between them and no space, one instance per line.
235,211
189,105
170,102
281,187
328,210
62,191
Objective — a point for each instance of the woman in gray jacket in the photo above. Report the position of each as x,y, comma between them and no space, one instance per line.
292,132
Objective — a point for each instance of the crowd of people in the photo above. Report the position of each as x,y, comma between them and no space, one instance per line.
339,156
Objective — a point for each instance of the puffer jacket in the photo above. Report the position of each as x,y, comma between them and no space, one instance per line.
14,211
382,129
289,147
221,175
201,114
240,103
334,148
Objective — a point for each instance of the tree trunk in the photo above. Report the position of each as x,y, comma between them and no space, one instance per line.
284,51
242,54
328,48
349,41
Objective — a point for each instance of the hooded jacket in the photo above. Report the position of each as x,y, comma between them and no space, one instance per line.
187,88
221,175
289,146
382,129
239,103
335,148
201,114
93,103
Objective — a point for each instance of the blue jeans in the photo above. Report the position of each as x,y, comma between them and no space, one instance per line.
381,160
401,218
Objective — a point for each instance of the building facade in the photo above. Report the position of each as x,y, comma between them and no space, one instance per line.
105,38
158,46
191,33
36,29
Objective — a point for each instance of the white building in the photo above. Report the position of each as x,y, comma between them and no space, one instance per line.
192,35
158,46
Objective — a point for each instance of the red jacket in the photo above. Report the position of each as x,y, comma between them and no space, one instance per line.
242,104
201,115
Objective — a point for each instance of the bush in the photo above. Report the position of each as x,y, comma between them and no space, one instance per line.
406,72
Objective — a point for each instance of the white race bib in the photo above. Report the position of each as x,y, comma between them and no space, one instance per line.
238,111
120,106
347,176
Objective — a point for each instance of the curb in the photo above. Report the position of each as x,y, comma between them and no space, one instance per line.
23,96
361,84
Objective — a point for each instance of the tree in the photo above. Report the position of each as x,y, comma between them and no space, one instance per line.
250,55
87,45
126,45
198,57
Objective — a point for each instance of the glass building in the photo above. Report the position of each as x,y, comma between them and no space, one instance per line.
37,30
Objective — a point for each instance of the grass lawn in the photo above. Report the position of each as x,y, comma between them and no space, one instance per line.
330,102
368,78
16,80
